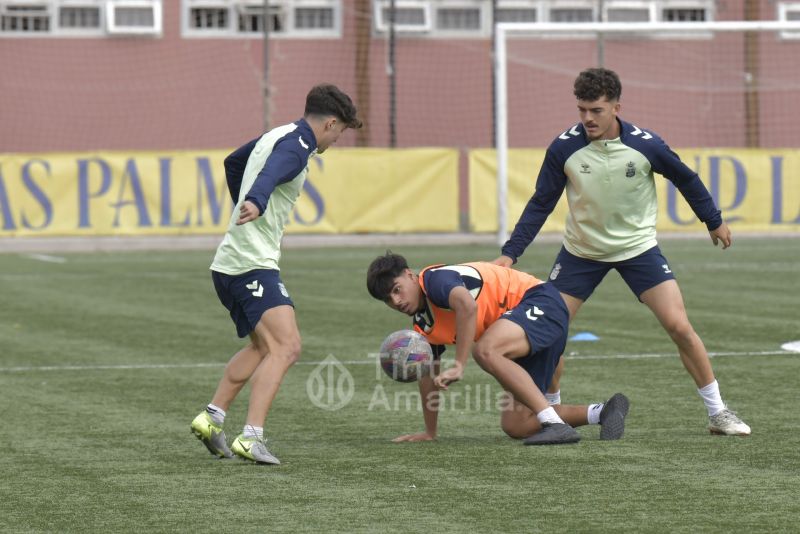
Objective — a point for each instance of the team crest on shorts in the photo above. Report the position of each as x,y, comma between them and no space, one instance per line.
555,271
630,170
283,290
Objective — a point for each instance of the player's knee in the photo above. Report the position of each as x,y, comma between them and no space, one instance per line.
291,351
680,331
482,353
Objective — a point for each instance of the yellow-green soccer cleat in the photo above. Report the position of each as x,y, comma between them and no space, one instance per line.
211,434
253,449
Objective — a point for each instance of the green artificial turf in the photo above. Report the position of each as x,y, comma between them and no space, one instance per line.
106,358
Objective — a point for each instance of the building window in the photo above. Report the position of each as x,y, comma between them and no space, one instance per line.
571,15
515,15
24,18
208,17
251,19
79,17
245,18
683,15
789,12
458,18
313,18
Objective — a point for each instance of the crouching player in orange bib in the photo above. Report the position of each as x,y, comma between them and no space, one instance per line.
514,326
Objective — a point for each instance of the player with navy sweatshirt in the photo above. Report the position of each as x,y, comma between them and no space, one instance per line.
265,178
606,166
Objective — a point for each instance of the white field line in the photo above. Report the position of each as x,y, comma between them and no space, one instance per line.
47,258
371,361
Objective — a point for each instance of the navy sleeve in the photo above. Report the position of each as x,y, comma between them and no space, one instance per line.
235,164
549,187
667,163
283,165
438,350
439,284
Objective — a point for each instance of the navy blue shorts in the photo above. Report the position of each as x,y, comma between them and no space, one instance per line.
578,277
247,296
544,317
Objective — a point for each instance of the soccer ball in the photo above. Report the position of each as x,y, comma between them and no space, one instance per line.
405,355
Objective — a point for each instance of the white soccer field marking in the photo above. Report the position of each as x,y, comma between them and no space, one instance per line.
47,258
370,361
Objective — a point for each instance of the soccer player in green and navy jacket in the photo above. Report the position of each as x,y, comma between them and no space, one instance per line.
265,178
606,166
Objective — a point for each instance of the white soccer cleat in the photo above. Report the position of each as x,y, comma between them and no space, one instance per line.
727,423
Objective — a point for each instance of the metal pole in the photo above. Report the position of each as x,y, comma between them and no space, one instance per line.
392,79
601,42
265,80
494,71
751,60
501,90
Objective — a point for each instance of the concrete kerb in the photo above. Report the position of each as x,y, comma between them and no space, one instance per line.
210,242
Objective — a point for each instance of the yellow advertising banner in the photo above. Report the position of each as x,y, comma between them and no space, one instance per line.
756,189
348,190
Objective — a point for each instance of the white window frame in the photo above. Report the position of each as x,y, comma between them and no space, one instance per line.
114,29
569,4
784,8
31,3
641,5
382,27
484,15
334,32
80,32
533,5
234,8
709,6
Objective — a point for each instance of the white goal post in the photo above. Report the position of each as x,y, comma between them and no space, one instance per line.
788,32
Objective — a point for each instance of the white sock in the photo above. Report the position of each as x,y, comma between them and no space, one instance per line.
711,398
548,415
251,431
593,413
217,414
553,399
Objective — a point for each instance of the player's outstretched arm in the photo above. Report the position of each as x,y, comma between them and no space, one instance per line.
466,310
430,409
721,233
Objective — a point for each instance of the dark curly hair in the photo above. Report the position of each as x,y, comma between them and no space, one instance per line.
326,99
382,272
593,84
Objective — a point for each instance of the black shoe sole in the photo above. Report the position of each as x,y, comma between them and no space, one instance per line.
556,434
612,418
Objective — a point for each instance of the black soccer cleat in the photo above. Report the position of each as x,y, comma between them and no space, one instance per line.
553,434
612,417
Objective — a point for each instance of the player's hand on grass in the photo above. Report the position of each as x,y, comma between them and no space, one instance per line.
721,233
503,261
448,376
420,436
248,212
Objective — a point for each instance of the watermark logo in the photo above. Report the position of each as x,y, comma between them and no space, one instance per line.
330,385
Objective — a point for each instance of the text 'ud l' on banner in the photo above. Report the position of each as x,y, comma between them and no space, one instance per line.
185,192
756,189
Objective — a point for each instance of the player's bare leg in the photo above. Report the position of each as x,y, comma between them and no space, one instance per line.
494,351
519,422
666,302
501,343
573,305
277,329
238,371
